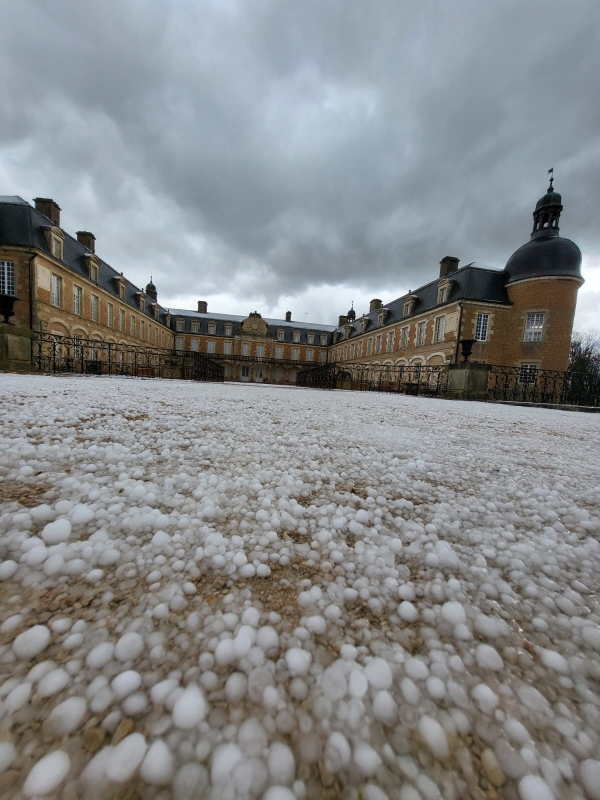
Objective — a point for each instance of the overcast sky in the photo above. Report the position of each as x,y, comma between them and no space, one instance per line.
302,154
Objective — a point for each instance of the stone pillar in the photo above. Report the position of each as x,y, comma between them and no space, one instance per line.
468,380
15,349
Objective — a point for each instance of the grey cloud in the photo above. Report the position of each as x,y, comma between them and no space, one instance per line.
269,147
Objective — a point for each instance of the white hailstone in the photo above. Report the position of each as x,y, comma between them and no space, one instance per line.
436,687
235,687
385,709
82,514
358,683
8,753
129,647
434,737
416,669
125,683
279,793
298,661
516,731
190,709
366,760
47,774
224,759
362,516
591,636
17,698
533,699
337,752
372,792
126,757
410,690
333,681
408,792
160,691
54,564
485,698
94,576
454,613
267,639
589,772
67,716
281,764
378,673
487,657
554,660
159,764
8,569
31,642
532,787
487,626
57,531
407,611
100,655
53,682
224,652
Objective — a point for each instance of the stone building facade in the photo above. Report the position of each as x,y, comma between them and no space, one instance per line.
519,316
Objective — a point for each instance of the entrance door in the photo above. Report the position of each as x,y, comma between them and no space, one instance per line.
245,373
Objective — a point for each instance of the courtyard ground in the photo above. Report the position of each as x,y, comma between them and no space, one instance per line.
233,591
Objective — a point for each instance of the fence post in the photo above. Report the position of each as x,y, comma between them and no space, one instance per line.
468,380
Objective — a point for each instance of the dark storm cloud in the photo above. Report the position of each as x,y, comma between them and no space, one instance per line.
285,145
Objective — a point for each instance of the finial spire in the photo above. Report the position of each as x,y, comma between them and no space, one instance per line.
551,173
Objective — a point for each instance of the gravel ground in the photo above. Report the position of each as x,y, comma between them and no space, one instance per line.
238,591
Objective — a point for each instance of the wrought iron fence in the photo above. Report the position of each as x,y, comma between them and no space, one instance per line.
417,379
528,383
54,353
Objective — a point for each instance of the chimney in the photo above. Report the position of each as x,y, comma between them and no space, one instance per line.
343,319
288,316
202,307
375,304
87,239
448,264
49,209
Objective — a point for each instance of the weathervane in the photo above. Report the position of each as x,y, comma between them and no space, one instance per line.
551,173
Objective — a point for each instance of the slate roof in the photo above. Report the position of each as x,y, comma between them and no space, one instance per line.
235,320
471,282
22,225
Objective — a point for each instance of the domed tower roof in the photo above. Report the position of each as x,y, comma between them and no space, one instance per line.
546,253
151,290
351,314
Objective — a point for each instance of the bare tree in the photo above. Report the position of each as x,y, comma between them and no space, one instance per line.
585,352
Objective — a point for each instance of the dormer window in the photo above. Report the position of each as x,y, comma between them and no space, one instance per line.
444,287
280,335
57,248
156,310
296,336
228,329
323,340
195,327
122,285
142,301
180,325
348,330
409,305
54,241
363,324
381,317
168,320
212,328
310,338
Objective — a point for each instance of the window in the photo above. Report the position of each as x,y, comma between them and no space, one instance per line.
279,352
310,338
323,340
7,277
481,327
442,294
56,293
227,348
132,325
179,343
122,291
110,315
369,347
195,327
245,348
212,328
439,328
345,352
211,346
310,355
94,308
295,353
296,336
389,345
180,325
245,372
141,329
407,307
56,248
94,273
122,320
421,333
280,335
323,356
260,350
77,296
527,373
194,345
228,329
534,327
404,337
142,301
378,344
360,349
352,350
